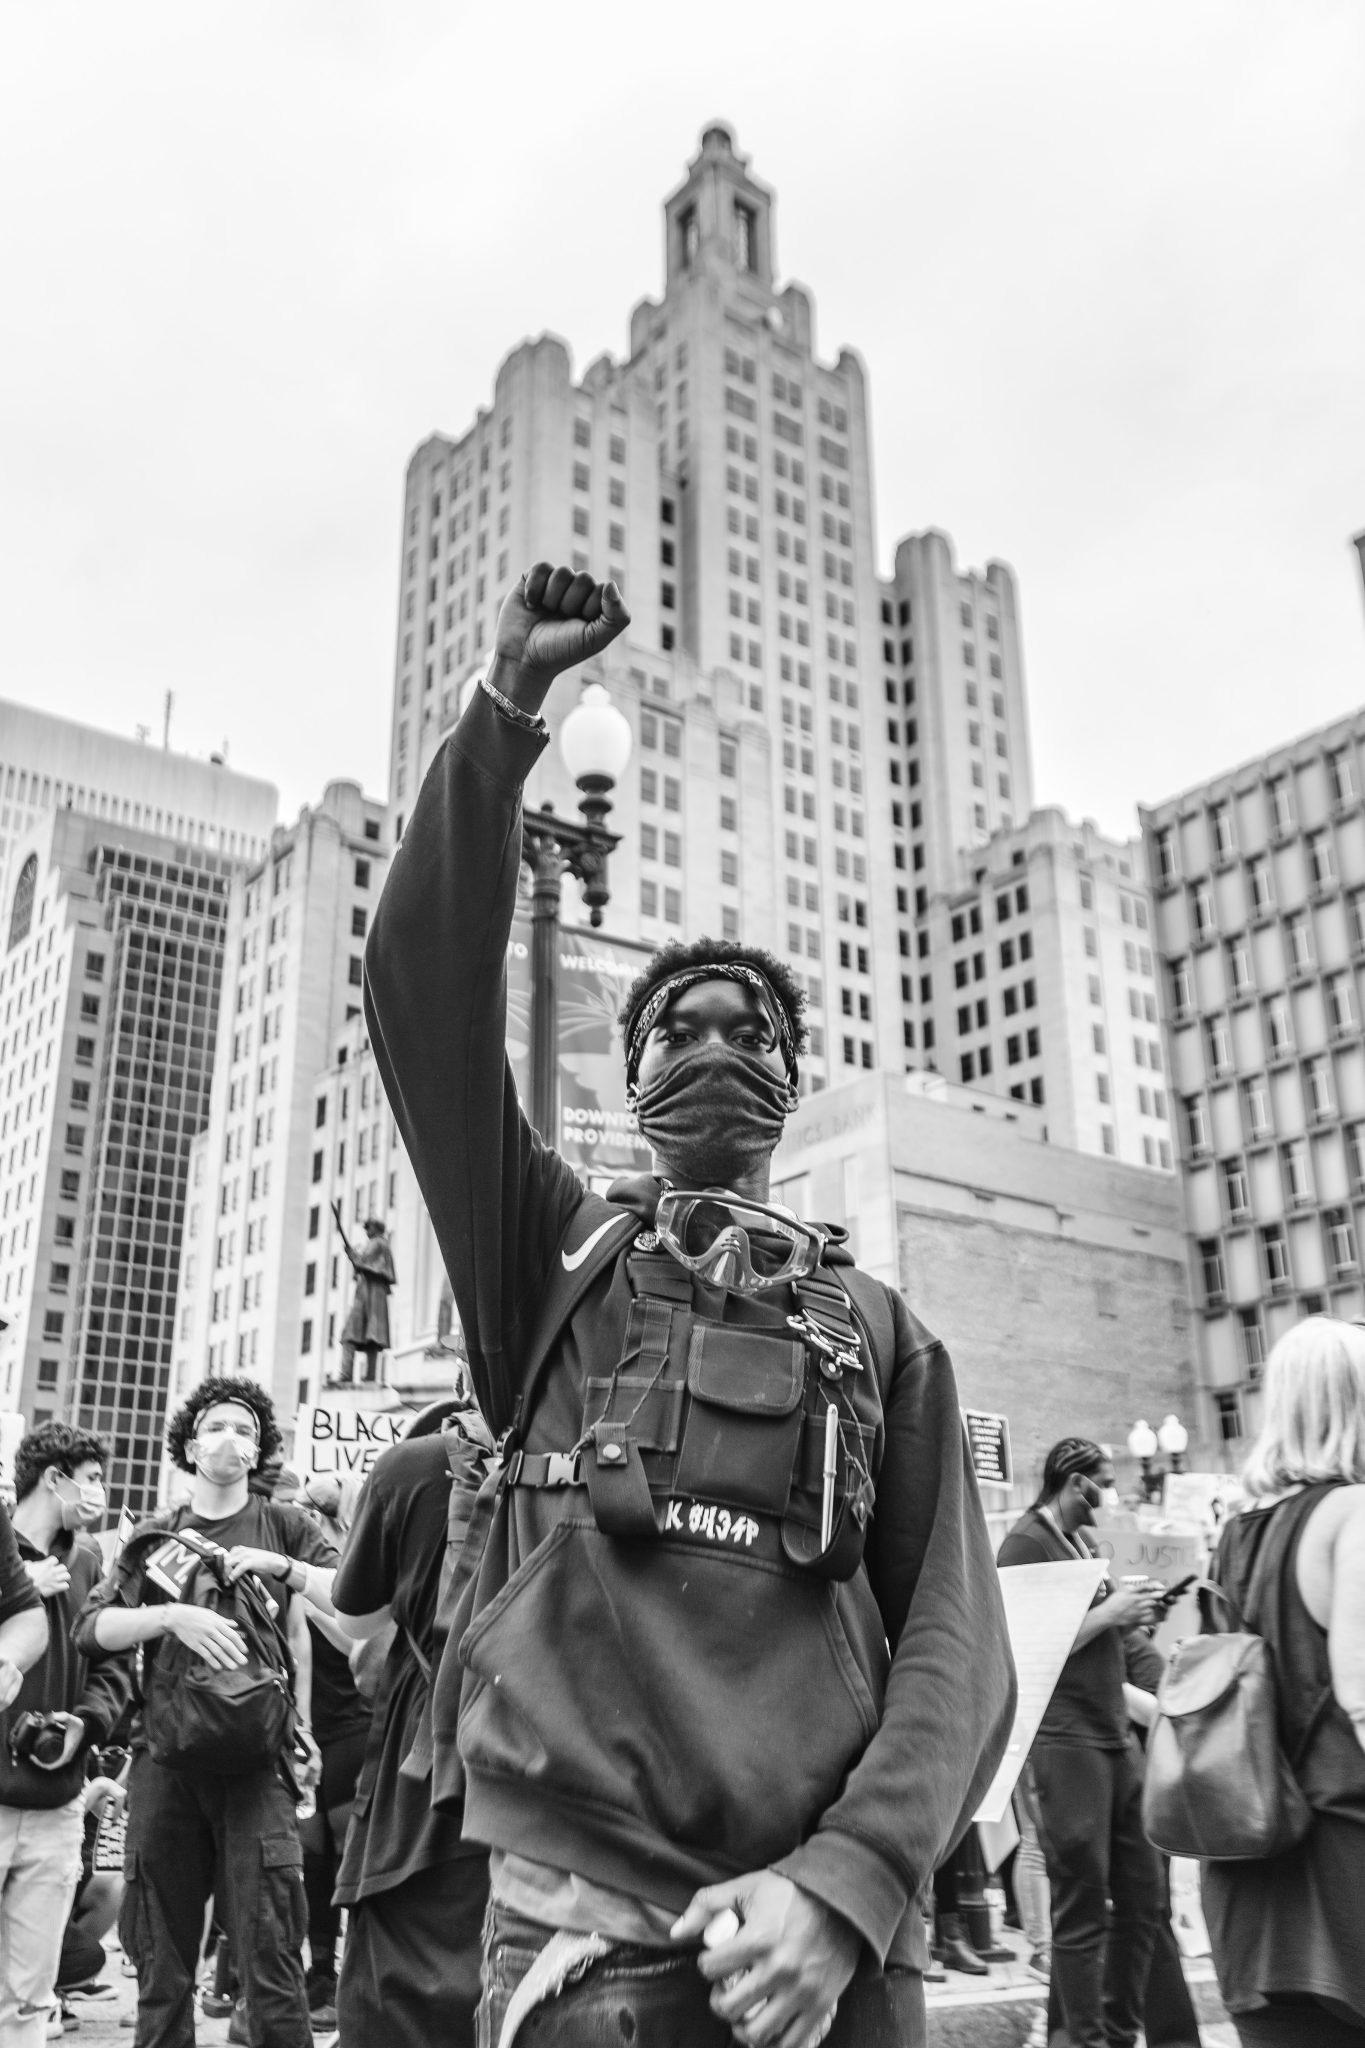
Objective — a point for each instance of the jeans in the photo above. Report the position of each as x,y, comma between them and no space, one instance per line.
1031,1887
191,1835
40,1866
657,1999
1105,1882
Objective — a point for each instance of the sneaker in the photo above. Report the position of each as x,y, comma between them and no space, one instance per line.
88,1992
1037,2033
1039,1966
323,2019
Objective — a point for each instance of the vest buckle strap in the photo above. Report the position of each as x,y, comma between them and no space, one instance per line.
544,1469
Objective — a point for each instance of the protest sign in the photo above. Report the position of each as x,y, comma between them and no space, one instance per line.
330,1437
1045,1604
1201,1498
988,1439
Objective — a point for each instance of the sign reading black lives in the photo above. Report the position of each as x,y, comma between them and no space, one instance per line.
988,1439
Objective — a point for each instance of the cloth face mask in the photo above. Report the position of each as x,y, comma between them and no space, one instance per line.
714,1113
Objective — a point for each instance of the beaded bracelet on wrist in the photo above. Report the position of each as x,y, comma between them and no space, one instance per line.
529,721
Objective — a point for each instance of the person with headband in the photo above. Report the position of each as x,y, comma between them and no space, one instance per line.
1103,1873
725,1670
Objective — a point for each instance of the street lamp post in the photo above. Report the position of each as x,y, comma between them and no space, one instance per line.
1174,1438
1142,1444
595,741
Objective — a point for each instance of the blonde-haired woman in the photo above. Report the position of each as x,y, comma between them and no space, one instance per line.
1288,1933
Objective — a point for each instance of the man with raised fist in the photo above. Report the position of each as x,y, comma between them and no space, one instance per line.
733,1474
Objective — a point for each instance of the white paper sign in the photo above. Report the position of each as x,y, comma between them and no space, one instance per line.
1045,1604
331,1438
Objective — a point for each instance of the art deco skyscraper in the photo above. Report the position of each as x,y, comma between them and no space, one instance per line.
723,474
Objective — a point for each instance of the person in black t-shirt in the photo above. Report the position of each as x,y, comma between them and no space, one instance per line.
415,1890
196,1833
341,1727
1089,1789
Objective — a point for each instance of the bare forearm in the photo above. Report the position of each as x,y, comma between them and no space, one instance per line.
301,1643
123,1628
1095,1623
313,1582
23,1638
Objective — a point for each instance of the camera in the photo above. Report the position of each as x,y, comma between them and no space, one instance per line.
37,1738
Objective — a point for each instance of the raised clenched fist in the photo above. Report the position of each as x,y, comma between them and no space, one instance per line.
551,620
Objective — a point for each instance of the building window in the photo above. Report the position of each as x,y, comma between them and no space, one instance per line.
1262,889
1319,1076
1298,1176
1300,944
1211,1273
1182,990
1256,1107
1275,1257
1201,909
1321,860
1341,1242
1341,770
1236,1191
1279,1027
1196,1125
1165,854
1341,1006
1238,962
1281,805
1220,820
1217,1045
1228,1407
1253,1340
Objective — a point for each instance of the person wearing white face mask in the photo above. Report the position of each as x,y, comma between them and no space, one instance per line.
64,1706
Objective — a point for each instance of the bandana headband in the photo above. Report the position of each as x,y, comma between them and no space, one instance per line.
659,998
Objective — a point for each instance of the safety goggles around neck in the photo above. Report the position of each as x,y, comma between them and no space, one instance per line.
745,1247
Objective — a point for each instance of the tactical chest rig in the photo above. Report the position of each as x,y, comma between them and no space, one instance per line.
719,1432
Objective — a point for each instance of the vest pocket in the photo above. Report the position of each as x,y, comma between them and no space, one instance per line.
743,1427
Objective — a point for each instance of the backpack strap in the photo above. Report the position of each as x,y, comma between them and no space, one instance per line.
594,1236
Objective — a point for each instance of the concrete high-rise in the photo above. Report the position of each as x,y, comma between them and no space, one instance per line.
1036,980
291,990
109,986
49,763
723,474
1258,878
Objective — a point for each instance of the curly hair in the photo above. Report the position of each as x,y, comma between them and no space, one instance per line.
678,956
54,1443
208,1394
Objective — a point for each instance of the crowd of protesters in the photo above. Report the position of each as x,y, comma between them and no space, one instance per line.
667,1721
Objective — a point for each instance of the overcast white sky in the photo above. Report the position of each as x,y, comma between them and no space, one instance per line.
1105,264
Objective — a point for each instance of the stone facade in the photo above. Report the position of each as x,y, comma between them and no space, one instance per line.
1056,1280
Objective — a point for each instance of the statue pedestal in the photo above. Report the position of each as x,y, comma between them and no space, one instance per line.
421,1372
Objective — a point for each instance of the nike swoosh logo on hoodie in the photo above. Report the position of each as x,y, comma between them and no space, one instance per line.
573,1260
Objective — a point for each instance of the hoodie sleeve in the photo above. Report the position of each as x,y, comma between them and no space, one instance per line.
950,1693
436,1005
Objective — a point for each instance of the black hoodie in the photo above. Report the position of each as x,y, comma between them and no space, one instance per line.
658,1716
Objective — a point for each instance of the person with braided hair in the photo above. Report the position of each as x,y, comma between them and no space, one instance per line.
1103,1873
